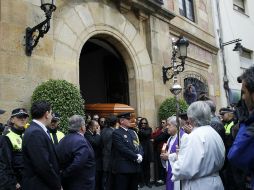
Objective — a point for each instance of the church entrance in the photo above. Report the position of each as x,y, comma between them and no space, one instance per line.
102,73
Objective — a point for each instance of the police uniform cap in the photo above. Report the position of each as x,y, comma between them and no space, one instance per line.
125,115
225,110
56,116
2,111
19,112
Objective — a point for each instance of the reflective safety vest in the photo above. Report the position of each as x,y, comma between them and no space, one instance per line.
16,141
59,136
228,127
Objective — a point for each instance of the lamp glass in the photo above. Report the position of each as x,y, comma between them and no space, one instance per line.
182,44
176,89
182,51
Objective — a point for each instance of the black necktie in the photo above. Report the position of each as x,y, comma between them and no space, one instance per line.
55,138
49,134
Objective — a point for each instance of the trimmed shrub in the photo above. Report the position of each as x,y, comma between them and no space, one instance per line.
64,98
168,107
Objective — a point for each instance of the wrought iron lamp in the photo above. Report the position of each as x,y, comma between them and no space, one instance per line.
238,45
34,34
179,47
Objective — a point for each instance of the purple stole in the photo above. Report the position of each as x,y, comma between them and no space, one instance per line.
169,183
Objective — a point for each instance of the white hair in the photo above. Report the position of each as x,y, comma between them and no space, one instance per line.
76,122
199,113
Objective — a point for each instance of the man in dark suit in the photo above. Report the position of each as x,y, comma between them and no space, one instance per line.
41,171
106,137
93,136
76,157
126,155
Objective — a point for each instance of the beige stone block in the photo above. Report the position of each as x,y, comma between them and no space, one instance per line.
12,64
67,36
44,47
41,69
130,32
146,73
12,38
58,26
75,23
114,19
144,58
78,45
85,15
97,12
63,52
13,12
64,71
14,88
138,44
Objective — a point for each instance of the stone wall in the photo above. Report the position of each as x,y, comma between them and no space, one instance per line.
142,38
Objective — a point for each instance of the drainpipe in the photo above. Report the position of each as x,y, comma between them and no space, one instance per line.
225,76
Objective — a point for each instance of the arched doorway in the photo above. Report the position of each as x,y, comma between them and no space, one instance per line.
103,75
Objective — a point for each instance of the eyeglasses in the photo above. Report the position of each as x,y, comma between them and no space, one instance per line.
143,123
163,122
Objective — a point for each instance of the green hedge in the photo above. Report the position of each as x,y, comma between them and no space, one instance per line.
168,107
64,98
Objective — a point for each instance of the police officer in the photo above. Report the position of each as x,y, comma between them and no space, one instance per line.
19,118
55,134
127,155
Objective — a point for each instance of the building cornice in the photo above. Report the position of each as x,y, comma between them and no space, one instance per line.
145,7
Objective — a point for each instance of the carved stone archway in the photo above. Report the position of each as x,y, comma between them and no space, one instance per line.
78,22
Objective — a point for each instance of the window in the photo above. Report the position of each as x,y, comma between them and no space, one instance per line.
239,5
159,1
246,58
186,9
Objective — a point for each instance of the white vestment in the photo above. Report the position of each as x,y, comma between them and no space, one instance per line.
200,158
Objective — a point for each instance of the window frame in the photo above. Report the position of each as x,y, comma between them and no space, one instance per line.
246,58
184,10
237,7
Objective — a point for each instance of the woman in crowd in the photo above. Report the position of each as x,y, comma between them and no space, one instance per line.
144,134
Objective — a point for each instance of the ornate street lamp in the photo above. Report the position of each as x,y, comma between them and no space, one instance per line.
34,34
178,47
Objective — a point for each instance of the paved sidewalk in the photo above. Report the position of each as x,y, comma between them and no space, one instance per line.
163,187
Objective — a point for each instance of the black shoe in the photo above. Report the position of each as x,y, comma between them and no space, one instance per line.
149,185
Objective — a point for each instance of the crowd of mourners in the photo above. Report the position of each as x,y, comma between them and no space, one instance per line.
195,150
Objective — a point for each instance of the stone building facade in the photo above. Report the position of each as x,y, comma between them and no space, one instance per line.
138,31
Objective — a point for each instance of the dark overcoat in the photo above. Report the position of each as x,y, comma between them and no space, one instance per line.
106,137
41,170
76,157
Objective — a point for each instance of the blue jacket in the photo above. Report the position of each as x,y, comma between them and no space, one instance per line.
76,157
241,154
